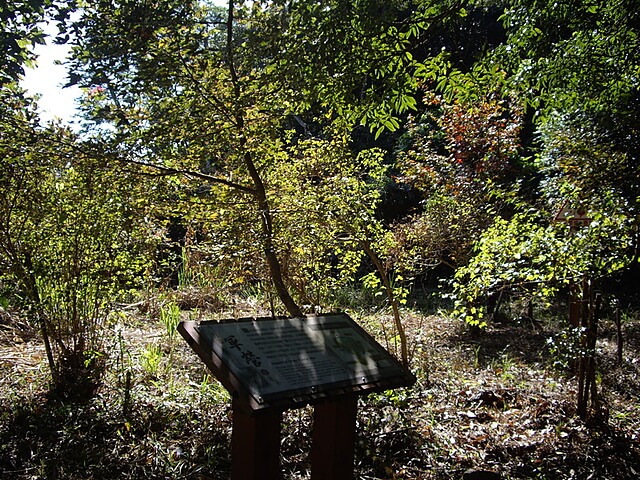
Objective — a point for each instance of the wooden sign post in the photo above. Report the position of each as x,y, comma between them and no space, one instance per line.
255,443
273,364
334,437
584,312
576,218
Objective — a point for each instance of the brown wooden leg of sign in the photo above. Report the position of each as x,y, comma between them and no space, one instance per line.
255,444
334,436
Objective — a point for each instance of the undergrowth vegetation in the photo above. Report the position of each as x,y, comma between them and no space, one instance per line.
286,157
496,402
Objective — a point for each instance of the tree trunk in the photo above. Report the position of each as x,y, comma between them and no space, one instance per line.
24,272
392,300
275,269
259,191
587,386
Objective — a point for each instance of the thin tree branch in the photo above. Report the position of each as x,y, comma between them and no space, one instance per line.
160,168
190,173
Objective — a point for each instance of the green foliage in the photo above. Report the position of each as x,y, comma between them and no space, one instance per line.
328,198
245,112
558,61
463,159
151,359
170,318
564,347
571,56
585,157
352,61
524,255
441,234
516,254
208,98
72,237
371,282
21,30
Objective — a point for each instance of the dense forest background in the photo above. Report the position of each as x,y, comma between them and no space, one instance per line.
474,159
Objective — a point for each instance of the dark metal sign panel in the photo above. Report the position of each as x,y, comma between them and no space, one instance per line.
289,362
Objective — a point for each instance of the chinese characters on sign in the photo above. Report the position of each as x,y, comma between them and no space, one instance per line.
247,355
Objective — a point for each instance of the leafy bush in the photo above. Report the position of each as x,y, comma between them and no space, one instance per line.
73,240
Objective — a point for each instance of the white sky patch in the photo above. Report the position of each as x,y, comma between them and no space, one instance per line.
47,80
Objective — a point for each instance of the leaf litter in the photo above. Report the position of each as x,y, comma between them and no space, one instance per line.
483,405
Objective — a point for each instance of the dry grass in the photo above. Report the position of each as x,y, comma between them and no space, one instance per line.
493,402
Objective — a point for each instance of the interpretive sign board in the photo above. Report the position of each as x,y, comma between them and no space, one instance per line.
289,362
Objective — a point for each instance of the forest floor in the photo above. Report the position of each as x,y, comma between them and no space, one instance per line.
496,402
